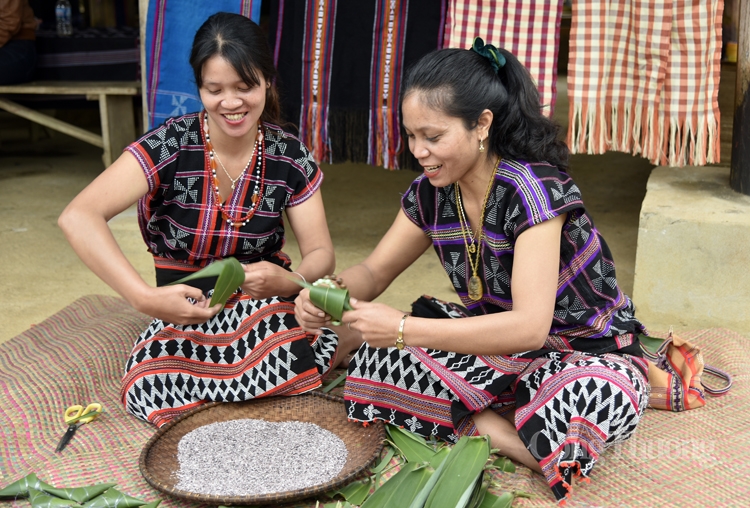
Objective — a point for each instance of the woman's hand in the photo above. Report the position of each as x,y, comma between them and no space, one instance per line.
171,305
376,322
310,317
264,280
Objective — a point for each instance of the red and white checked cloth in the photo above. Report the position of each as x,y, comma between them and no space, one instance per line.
529,29
643,78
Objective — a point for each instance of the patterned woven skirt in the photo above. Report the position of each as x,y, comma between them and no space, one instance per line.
569,405
252,348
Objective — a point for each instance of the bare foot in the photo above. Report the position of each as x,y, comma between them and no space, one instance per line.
504,437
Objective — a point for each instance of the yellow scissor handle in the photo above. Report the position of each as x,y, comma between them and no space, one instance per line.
77,413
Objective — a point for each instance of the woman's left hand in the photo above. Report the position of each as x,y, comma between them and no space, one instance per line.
264,280
376,322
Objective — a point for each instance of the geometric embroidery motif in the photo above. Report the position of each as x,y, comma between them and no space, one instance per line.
239,354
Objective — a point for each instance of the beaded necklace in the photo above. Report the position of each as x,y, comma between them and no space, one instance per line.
242,173
260,169
475,283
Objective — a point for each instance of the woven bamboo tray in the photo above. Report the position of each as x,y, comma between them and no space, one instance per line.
159,465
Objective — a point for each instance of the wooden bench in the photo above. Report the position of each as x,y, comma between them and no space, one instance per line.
115,110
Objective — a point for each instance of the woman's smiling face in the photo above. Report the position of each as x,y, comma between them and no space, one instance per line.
443,146
233,106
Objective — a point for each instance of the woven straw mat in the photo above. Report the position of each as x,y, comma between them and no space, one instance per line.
699,457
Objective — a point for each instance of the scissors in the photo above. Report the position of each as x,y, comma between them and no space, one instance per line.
75,416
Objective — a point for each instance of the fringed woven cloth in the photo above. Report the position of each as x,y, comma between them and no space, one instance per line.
530,30
643,78
340,66
170,29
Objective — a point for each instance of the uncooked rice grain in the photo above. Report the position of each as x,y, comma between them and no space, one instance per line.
254,457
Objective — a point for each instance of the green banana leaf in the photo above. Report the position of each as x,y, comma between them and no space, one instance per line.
378,468
504,464
505,500
356,492
401,488
421,498
409,446
400,430
471,495
439,456
650,343
230,277
479,494
80,494
460,471
333,384
113,498
21,487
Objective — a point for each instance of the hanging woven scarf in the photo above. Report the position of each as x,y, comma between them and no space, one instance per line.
643,78
530,30
384,141
343,91
170,28
317,56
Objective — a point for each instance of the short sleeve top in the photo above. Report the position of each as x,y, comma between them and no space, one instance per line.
589,302
179,216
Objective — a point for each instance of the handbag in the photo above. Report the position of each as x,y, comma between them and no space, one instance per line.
675,373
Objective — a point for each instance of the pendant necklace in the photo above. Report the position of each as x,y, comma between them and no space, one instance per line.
260,170
242,173
474,243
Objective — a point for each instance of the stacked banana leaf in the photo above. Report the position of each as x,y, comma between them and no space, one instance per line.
431,476
44,495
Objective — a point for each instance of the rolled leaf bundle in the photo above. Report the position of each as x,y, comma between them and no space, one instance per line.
21,487
327,297
80,494
113,498
41,499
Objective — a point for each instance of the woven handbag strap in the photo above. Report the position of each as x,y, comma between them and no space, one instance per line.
714,371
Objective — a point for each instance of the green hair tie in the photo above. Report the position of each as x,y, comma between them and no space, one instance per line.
490,52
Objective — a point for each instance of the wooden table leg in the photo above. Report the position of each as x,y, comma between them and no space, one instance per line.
52,123
118,125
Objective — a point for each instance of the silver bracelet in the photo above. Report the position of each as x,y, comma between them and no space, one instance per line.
301,277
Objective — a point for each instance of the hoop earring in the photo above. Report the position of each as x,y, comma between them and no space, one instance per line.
481,145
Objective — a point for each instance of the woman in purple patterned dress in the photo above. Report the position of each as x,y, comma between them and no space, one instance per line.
543,355
211,185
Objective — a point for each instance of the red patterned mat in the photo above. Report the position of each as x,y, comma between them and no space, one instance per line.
76,356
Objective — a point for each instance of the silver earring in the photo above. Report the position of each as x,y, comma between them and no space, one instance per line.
481,145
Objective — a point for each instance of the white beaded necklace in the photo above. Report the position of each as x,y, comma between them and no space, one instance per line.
260,165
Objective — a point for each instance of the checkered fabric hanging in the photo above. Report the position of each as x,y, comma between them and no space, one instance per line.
643,78
530,30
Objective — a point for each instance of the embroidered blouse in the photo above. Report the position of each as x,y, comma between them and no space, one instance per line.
589,302
179,218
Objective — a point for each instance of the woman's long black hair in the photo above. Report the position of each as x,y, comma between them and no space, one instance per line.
241,42
461,83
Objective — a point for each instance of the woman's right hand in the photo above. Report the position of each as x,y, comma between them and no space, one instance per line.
171,305
310,317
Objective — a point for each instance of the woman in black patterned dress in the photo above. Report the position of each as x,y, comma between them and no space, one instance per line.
543,355
211,185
